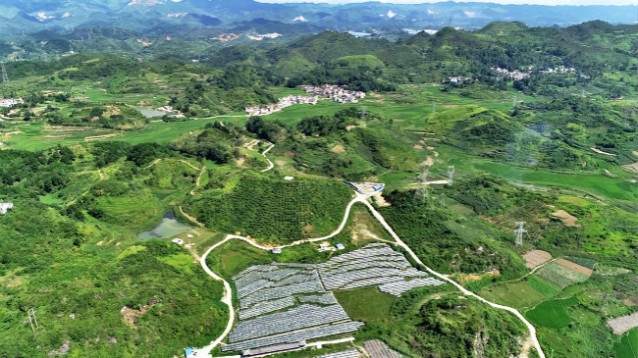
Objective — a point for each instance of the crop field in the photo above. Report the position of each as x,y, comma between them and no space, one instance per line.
518,294
552,314
628,345
35,137
560,275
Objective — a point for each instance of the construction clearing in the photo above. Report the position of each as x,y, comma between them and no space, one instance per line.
282,306
536,258
623,324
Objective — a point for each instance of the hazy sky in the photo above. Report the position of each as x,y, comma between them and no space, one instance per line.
538,2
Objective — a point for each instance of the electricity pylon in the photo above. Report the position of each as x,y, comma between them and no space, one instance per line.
520,231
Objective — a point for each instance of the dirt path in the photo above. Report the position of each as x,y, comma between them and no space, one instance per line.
199,179
360,198
189,217
179,160
270,163
530,327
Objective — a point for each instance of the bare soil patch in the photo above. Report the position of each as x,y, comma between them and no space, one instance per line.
338,149
596,150
535,258
623,324
380,200
632,168
574,267
566,218
429,161
100,137
130,315
471,277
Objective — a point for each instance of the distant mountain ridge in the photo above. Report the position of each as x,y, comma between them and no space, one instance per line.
371,17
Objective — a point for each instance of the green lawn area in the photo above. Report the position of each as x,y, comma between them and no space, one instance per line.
613,188
517,294
628,345
618,188
366,304
34,137
552,314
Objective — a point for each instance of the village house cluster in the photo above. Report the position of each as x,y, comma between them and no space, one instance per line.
335,93
516,74
525,73
559,69
10,102
457,80
264,110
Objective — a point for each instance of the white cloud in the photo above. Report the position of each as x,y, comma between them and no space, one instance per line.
519,2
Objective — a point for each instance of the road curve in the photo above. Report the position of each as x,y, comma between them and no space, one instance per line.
227,299
270,163
360,198
530,327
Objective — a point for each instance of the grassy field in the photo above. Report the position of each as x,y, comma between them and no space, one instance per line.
615,188
35,137
628,345
376,308
552,314
519,294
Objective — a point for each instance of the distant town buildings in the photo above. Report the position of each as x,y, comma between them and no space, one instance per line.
559,69
168,109
515,75
261,37
264,110
335,93
526,72
4,208
457,80
10,102
332,92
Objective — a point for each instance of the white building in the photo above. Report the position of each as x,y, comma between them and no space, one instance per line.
4,207
10,102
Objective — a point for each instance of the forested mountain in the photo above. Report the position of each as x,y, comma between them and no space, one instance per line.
136,135
226,15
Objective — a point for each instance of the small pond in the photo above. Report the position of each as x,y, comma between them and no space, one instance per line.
168,228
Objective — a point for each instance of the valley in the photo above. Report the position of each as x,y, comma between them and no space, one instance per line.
135,231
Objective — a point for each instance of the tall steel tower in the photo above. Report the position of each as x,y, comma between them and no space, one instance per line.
520,231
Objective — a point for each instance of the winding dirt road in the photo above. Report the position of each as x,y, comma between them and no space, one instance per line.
271,165
360,198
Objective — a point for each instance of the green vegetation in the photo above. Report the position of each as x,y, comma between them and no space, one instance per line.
552,314
274,210
88,173
627,346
